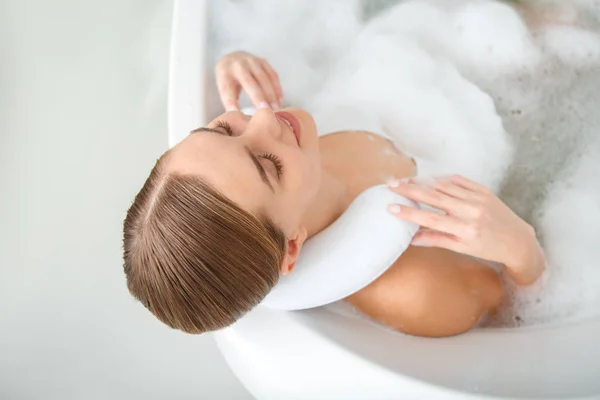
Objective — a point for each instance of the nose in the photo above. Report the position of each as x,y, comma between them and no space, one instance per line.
263,125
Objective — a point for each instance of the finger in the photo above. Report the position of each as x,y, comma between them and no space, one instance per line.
422,194
437,239
444,185
468,184
250,86
428,219
263,80
229,91
275,82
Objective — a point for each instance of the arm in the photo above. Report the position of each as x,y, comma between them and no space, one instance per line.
527,263
475,223
431,292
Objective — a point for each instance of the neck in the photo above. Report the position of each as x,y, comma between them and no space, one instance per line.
331,201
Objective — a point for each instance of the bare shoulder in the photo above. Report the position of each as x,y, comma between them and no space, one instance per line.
431,292
364,159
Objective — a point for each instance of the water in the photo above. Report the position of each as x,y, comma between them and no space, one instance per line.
507,96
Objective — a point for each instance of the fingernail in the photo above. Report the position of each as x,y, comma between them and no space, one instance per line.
231,108
394,183
274,106
394,208
264,104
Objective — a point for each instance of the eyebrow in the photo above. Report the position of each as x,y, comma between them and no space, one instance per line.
204,129
259,167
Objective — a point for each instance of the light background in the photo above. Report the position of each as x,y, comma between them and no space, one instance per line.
82,119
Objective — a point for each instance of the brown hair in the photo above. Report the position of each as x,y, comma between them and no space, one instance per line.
193,257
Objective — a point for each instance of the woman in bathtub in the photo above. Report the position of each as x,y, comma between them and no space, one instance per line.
227,210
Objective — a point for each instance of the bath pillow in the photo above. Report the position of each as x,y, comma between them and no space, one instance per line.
346,256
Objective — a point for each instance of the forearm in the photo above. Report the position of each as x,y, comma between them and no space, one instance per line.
527,263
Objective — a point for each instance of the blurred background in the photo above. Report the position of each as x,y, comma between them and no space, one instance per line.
82,120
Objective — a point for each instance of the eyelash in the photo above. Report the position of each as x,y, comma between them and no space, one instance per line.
276,161
268,156
225,126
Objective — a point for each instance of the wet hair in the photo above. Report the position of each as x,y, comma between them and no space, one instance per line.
193,257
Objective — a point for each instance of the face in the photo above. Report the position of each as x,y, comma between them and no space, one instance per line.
268,163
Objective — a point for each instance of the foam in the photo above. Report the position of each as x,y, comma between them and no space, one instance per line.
290,35
388,75
507,96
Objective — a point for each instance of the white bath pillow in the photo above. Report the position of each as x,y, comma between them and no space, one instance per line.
346,256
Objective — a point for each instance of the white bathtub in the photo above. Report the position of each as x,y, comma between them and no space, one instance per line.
322,354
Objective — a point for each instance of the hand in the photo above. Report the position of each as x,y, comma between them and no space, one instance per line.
240,70
476,223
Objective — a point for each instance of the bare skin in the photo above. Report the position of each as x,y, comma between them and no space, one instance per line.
304,182
427,291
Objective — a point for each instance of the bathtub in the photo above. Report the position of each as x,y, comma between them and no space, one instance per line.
327,354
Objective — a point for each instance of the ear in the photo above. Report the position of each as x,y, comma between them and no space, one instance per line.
293,251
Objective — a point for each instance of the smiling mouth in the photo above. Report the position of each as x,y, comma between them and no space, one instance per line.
291,122
288,123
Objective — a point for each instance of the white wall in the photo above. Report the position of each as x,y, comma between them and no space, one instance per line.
82,119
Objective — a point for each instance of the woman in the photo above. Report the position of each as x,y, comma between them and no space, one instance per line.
227,210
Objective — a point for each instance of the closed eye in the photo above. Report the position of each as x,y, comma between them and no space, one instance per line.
221,127
267,156
224,128
276,162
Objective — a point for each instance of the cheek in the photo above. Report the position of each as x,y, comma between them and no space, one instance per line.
302,170
305,185
287,213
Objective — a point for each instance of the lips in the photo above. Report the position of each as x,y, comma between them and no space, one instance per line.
292,122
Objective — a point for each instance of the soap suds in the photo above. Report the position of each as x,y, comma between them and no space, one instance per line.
506,95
